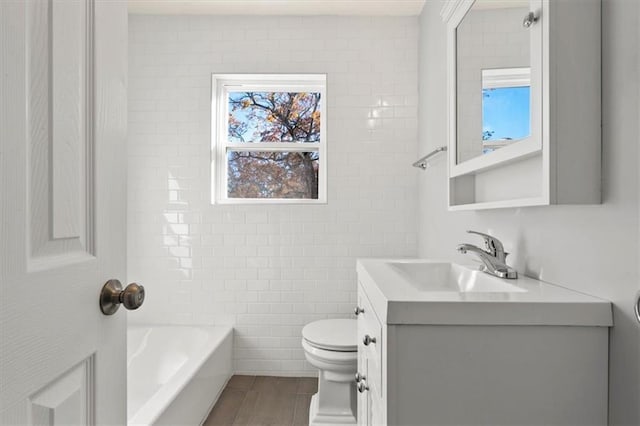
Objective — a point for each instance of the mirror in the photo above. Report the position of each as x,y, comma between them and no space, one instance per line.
493,78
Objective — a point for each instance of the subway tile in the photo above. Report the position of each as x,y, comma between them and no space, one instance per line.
268,270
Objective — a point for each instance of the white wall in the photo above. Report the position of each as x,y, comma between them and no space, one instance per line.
267,269
593,249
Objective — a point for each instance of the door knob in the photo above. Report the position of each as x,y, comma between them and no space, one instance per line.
112,296
529,20
636,307
368,340
362,387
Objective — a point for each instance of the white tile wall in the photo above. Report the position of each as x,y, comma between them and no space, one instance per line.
267,269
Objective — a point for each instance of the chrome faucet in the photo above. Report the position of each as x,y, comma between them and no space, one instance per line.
494,257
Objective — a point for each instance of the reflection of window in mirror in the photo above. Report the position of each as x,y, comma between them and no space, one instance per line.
506,114
489,37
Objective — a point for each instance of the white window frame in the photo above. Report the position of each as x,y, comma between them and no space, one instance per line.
221,85
498,78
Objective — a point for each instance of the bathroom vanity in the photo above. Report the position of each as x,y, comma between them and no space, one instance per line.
444,344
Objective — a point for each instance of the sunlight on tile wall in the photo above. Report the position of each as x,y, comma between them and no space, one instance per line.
268,270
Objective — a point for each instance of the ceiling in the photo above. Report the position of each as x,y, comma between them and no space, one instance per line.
277,7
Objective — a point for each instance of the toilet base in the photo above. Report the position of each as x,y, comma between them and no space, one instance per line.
320,419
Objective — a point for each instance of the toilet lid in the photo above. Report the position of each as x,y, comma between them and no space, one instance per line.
332,335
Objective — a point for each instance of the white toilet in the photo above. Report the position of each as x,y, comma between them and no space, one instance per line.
331,346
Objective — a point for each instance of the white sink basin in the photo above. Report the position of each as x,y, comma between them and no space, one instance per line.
429,276
424,291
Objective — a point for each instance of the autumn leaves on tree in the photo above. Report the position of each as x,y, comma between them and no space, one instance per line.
273,117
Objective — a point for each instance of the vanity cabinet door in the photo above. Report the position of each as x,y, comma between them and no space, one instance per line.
370,354
376,407
370,340
364,418
363,371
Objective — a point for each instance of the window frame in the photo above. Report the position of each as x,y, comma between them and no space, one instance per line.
221,86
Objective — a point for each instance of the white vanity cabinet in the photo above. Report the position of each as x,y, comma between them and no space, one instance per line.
524,102
369,379
486,359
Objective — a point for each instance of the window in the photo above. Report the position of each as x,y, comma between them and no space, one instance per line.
269,138
506,107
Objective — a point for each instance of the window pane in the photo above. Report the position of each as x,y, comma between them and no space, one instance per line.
274,117
272,174
505,114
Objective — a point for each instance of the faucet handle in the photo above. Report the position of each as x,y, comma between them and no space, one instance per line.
494,246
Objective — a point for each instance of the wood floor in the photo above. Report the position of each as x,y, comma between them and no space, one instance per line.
262,401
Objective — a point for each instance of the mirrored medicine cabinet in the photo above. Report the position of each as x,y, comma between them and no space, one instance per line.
523,102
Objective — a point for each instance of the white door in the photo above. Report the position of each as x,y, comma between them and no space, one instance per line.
62,197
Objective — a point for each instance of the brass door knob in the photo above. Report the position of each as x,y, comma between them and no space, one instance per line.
112,296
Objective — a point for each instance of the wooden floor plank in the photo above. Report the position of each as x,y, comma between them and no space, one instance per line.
269,384
241,382
273,409
243,418
307,385
301,412
264,401
226,409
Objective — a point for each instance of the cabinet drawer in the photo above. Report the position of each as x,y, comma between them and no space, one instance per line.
369,327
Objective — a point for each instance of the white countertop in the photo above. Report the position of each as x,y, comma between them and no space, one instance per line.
396,301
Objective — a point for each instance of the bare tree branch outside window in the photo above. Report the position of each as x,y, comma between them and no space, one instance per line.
256,117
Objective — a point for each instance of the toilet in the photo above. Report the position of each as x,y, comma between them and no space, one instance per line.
331,346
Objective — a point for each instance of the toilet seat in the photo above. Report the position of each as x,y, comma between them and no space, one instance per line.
337,335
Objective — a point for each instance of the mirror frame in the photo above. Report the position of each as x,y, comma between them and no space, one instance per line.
452,14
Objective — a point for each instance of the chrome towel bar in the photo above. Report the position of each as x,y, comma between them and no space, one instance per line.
423,163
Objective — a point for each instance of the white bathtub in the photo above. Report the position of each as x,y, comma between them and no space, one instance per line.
175,374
